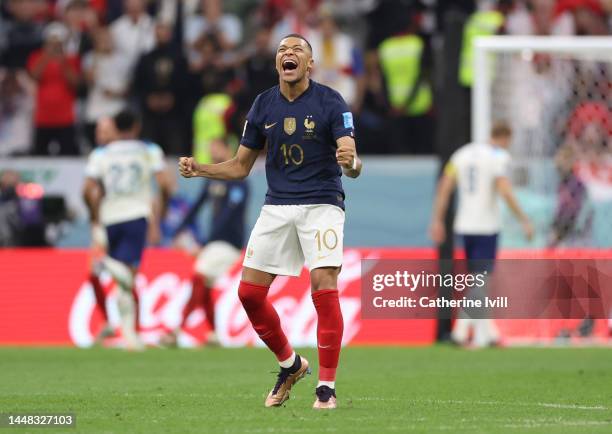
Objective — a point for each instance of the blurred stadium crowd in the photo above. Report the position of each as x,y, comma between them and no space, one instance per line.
193,67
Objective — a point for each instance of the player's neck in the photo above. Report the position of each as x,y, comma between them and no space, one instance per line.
291,91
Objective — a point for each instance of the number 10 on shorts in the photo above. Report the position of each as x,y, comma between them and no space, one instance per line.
327,239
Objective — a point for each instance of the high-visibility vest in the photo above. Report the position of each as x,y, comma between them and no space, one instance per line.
480,23
209,124
400,59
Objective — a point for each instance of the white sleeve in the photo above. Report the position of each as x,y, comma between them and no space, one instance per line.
93,169
156,157
502,165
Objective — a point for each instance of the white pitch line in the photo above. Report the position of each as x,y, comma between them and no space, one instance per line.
525,404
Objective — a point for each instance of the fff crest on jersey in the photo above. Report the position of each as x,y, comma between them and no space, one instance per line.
309,123
289,125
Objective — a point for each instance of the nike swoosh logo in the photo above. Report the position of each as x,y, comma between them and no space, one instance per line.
324,346
267,127
322,257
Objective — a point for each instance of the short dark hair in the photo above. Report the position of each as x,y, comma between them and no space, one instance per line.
501,129
125,120
297,35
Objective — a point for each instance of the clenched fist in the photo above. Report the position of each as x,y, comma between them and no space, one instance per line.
346,156
188,167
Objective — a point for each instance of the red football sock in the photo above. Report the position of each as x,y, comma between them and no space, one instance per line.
136,309
264,319
99,294
329,331
197,295
209,307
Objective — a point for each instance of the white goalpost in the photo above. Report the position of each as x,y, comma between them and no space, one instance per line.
556,94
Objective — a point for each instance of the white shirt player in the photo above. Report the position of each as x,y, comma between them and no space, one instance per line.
126,169
476,167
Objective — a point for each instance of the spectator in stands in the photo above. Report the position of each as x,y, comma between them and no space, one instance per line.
80,18
57,75
257,73
227,28
298,17
214,109
22,35
540,17
210,69
405,61
133,32
10,221
589,16
339,62
159,83
16,108
106,73
571,199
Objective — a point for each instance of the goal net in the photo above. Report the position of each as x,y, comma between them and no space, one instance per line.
556,94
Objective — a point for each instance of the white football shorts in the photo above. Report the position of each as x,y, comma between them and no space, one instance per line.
287,235
215,259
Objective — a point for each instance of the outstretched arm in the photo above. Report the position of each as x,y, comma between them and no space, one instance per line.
347,157
238,167
446,186
504,188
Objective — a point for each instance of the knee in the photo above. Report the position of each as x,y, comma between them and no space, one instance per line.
251,296
324,278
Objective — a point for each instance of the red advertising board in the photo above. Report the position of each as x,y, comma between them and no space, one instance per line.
45,299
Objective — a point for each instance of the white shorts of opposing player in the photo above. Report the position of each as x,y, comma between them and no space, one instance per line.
286,236
215,259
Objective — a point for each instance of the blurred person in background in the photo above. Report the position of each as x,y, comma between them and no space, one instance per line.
22,219
118,194
160,85
571,199
22,34
405,61
589,16
80,19
480,171
223,245
57,76
540,17
226,27
256,65
10,216
105,132
106,74
134,31
298,16
16,109
211,79
256,73
340,63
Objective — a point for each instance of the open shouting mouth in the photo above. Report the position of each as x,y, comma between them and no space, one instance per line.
289,65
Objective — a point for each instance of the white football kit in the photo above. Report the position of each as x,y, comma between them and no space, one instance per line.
126,169
476,167
286,236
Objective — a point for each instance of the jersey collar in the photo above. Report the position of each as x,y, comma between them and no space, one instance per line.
302,95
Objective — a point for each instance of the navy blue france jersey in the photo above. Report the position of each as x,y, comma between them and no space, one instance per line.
301,165
229,202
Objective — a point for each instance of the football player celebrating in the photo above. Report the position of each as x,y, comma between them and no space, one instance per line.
309,133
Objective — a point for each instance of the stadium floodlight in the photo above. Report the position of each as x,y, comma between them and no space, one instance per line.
556,94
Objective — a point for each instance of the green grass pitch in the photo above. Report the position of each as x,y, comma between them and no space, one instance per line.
431,389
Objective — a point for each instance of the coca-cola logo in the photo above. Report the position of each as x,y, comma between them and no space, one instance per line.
162,296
